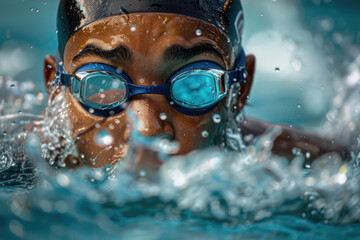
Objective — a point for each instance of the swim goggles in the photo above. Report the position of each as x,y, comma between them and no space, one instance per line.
193,90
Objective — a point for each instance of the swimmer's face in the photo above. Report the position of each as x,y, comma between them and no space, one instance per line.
149,48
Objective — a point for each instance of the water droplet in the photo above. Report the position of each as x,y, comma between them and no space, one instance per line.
277,69
171,103
44,3
298,106
239,118
245,74
205,134
31,9
308,155
141,80
13,123
63,180
91,110
82,155
163,116
133,28
6,161
198,32
12,85
307,166
261,14
142,173
73,64
216,118
37,10
296,151
103,138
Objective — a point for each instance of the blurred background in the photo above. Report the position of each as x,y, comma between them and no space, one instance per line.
302,47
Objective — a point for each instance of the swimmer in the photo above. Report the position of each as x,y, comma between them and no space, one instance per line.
174,64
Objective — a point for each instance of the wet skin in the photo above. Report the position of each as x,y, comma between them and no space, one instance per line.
160,45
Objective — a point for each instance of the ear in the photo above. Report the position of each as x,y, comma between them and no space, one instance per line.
49,70
246,86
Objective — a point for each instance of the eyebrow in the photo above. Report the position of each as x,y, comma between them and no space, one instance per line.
121,53
179,53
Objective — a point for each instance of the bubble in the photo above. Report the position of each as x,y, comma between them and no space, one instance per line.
205,134
103,138
142,173
239,118
163,116
277,69
216,118
198,32
63,180
16,228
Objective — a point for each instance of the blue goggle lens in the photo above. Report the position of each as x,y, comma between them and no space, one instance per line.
196,89
104,90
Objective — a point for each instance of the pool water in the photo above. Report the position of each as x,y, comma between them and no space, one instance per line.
211,193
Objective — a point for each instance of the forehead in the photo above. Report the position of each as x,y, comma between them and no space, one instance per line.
146,32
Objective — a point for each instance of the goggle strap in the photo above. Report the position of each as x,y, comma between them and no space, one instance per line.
65,79
236,76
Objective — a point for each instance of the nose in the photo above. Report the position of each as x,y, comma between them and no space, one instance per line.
152,112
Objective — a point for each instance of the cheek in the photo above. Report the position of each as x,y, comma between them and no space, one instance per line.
195,132
94,135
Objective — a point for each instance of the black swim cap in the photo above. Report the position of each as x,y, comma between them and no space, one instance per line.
75,14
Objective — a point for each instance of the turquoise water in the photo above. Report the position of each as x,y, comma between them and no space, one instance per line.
209,194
